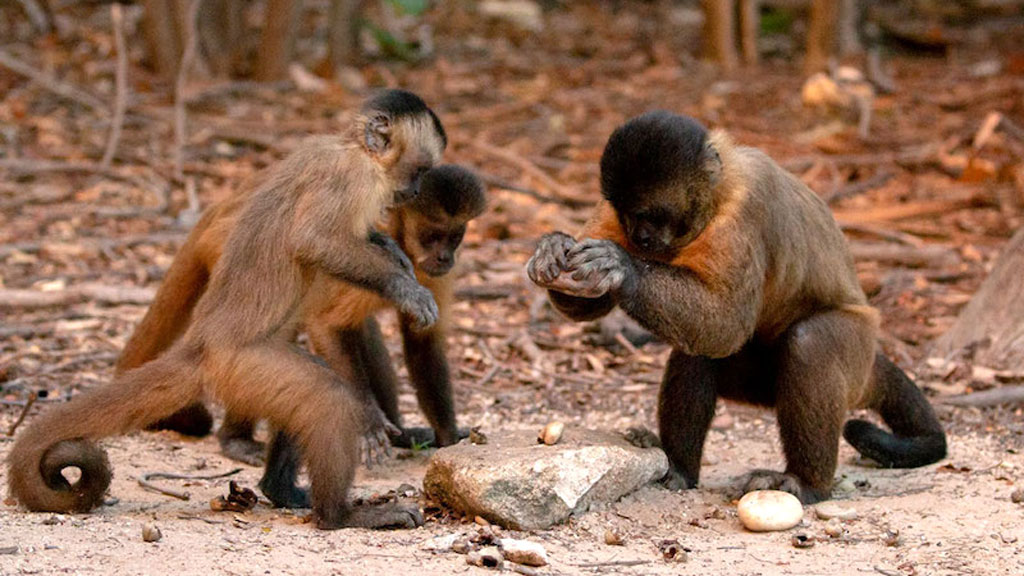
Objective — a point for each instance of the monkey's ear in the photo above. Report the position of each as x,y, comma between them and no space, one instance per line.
712,164
378,133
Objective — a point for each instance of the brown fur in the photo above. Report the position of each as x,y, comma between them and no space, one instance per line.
308,214
761,304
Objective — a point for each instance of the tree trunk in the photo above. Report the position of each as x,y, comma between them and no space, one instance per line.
750,24
278,40
343,33
220,35
719,38
161,32
992,323
821,34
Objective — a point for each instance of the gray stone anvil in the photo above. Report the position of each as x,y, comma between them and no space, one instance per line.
517,483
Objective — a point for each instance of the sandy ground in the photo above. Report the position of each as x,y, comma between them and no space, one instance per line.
954,517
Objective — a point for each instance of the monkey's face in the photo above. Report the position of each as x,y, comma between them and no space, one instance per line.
414,146
659,172
434,244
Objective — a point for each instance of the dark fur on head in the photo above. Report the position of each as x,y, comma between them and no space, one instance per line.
402,104
453,189
659,171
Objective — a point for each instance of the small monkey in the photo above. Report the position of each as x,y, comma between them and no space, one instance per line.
310,214
741,268
339,321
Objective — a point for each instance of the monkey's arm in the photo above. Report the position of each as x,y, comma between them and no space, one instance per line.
370,265
701,318
425,357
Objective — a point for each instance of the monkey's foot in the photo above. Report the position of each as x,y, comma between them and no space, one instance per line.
245,450
786,482
393,515
641,437
676,480
378,438
284,494
422,437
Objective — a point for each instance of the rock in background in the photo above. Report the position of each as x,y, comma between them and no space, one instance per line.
520,484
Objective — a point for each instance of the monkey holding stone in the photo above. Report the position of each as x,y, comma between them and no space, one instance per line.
310,214
339,321
741,268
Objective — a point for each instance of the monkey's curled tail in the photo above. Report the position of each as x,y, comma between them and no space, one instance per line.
62,436
917,437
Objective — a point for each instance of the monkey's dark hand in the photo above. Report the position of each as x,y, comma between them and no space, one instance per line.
598,267
393,250
550,258
377,438
415,302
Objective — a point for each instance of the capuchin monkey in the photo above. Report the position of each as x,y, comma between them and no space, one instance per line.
740,267
339,320
311,214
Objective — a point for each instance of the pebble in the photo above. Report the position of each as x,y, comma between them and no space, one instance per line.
1017,496
769,511
830,509
150,533
489,557
551,434
802,541
845,486
833,529
524,552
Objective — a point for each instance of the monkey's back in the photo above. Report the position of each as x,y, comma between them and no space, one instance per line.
808,267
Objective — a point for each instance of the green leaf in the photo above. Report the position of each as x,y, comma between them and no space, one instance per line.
412,7
390,45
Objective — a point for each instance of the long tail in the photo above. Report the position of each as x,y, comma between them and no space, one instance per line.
62,436
917,437
171,310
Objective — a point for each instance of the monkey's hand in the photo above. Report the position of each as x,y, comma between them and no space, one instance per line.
598,267
415,302
550,259
393,250
377,438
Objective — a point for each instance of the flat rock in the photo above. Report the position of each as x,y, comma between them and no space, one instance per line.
831,509
520,484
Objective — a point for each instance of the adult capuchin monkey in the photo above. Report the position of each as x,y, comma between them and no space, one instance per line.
310,214
736,263
339,320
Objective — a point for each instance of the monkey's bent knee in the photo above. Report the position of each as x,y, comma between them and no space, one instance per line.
55,493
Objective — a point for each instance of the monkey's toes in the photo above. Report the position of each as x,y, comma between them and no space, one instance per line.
772,480
676,480
393,515
641,437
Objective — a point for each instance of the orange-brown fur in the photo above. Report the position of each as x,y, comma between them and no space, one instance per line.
308,214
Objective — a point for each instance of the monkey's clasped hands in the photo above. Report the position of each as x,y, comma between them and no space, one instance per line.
588,269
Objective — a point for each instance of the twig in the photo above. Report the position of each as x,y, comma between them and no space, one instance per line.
121,86
625,343
489,375
506,185
612,563
59,88
145,481
914,210
187,58
487,292
37,15
913,256
915,155
886,572
993,397
27,166
894,235
102,244
32,397
560,191
23,298
859,187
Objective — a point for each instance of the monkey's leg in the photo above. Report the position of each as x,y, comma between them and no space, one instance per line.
346,351
428,370
820,359
236,440
278,482
192,420
686,405
308,402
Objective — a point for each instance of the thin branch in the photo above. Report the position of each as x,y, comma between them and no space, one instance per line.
146,481
187,58
121,86
32,397
993,397
563,193
62,89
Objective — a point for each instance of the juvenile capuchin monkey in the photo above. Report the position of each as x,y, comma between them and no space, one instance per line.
339,320
740,267
310,214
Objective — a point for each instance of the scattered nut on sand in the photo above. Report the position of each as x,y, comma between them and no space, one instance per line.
551,434
802,541
769,510
150,533
831,509
612,538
